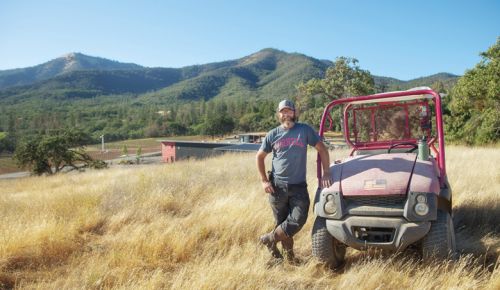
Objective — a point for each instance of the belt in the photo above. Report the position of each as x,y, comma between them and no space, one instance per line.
277,182
287,185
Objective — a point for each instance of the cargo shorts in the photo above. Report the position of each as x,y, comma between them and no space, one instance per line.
290,206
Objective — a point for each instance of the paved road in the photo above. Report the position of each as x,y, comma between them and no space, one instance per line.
14,175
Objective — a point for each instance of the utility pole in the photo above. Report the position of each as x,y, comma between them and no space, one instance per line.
102,143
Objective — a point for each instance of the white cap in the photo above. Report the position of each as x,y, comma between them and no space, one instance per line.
286,104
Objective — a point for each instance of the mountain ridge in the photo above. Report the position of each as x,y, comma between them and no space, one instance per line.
66,63
269,73
124,103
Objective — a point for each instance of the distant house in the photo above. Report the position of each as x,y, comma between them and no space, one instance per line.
251,137
172,150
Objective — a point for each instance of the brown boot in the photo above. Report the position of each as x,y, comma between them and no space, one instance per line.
286,243
269,241
288,250
279,234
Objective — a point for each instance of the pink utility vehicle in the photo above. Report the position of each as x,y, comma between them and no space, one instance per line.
391,191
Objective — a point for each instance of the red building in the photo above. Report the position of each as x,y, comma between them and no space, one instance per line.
168,151
172,150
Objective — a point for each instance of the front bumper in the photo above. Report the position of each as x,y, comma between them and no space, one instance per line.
376,206
388,233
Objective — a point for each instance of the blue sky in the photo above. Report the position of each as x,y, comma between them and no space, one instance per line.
401,39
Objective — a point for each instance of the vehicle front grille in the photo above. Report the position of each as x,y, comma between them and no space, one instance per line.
391,205
390,200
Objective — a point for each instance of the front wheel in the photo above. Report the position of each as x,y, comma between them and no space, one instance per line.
325,247
440,240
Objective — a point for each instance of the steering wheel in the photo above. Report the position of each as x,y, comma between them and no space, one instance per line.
415,146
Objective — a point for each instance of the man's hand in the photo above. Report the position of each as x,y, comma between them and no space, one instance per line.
326,180
268,187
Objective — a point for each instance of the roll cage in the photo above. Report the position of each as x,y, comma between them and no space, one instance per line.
355,107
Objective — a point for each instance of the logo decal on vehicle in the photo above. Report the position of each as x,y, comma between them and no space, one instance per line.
375,184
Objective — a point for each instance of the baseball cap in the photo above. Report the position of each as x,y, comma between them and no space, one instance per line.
286,104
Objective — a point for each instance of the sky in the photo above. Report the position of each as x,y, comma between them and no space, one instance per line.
400,39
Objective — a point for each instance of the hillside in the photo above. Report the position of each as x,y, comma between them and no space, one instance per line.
91,83
157,227
391,84
269,73
106,98
59,66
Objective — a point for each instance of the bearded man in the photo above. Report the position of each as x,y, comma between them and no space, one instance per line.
286,183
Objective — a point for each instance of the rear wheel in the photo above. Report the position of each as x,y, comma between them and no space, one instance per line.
440,241
325,247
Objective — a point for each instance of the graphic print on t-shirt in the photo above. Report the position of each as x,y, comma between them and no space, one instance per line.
289,141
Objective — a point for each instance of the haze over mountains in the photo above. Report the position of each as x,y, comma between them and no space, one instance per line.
268,74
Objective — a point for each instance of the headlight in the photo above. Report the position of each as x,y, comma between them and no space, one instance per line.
421,198
330,206
421,209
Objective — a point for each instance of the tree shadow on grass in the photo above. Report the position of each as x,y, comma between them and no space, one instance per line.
477,230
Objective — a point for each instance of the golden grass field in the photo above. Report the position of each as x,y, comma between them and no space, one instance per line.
194,225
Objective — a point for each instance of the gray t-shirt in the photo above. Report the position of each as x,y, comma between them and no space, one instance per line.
289,149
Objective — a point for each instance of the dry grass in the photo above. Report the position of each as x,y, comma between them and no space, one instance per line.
194,225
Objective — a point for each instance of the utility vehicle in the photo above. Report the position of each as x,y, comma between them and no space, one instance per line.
391,192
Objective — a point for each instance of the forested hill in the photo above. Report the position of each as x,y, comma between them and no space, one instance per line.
269,74
59,66
391,84
130,101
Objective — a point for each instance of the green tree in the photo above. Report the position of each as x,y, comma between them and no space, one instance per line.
50,154
249,122
175,129
7,142
138,155
124,150
439,87
3,136
475,101
217,125
343,79
11,126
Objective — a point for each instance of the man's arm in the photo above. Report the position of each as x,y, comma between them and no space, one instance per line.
261,167
326,180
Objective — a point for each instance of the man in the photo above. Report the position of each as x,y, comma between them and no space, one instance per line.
286,184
